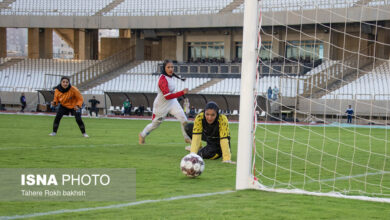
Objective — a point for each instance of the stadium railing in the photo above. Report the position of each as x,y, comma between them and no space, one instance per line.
105,66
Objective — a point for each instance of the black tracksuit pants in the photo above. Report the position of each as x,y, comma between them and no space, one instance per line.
65,111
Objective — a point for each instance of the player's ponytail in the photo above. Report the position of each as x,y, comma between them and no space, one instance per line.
165,73
179,77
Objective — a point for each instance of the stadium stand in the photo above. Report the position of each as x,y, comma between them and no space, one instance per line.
146,67
33,74
56,7
114,8
3,60
371,86
165,8
226,86
231,86
141,83
217,75
158,8
26,76
326,64
290,5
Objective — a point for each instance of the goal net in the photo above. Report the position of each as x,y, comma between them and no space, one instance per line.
323,68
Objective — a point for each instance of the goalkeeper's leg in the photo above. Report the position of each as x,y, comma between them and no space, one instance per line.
189,127
210,151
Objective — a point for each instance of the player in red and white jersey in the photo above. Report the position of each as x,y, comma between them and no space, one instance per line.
166,102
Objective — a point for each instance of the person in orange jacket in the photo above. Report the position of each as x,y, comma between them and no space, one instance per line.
71,101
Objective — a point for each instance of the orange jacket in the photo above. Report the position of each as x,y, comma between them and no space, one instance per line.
69,99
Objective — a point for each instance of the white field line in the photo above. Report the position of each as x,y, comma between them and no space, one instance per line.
65,146
230,121
121,205
82,146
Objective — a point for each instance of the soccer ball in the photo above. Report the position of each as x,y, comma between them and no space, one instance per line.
192,165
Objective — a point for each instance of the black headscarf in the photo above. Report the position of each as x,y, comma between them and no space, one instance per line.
166,74
60,88
214,106
211,131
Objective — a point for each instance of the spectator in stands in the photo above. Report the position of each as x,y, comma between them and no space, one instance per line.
275,93
23,102
186,106
93,108
213,128
140,110
1,106
71,101
269,92
349,114
127,106
192,112
166,102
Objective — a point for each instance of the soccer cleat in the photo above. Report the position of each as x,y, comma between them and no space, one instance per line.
188,148
187,140
141,140
53,134
85,135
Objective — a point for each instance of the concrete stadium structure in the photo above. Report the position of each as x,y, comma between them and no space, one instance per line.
178,30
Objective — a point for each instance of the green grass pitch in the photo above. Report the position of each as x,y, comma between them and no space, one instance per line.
24,143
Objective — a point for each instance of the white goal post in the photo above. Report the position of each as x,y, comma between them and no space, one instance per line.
248,75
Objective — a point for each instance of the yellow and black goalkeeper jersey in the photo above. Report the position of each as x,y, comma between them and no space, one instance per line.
217,133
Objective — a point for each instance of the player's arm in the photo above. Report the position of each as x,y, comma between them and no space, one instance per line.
224,134
79,97
197,133
55,100
163,85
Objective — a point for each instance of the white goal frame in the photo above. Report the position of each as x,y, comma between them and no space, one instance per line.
247,117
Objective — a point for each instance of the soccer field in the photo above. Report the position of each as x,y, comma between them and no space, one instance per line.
161,188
